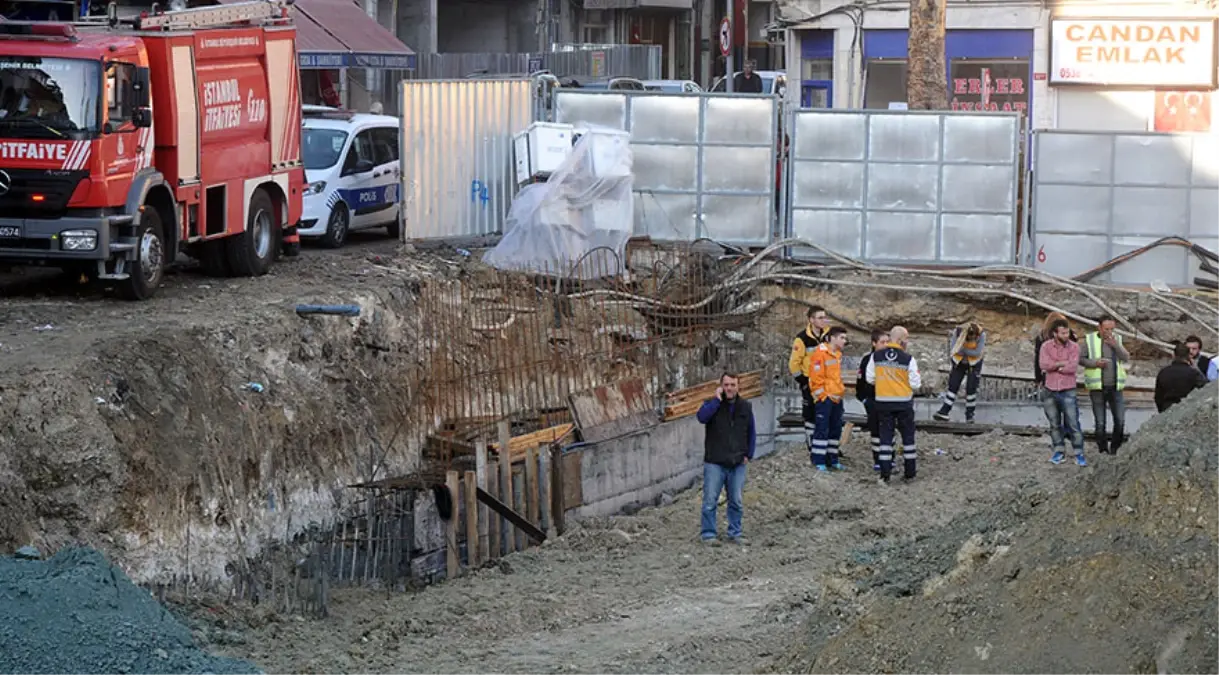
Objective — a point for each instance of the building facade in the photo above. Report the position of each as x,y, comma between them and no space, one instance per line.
1082,65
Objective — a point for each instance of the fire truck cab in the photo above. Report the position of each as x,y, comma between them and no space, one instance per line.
124,144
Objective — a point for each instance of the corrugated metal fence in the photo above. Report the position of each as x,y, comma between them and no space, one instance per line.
584,63
905,186
704,163
640,61
1098,195
457,154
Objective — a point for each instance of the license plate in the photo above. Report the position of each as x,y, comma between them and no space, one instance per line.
10,232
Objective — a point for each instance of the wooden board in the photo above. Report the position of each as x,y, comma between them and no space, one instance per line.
519,445
471,499
452,555
573,486
793,420
613,410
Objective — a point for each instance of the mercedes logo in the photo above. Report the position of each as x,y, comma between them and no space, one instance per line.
6,182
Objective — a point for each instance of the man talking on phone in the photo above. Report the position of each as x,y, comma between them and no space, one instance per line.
727,449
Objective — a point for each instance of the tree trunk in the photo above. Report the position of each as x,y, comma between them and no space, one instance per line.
927,69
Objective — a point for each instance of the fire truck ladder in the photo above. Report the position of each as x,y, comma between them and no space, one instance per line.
253,12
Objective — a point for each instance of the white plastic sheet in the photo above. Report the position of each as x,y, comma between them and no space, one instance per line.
583,215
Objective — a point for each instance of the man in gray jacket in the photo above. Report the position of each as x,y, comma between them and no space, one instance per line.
1101,356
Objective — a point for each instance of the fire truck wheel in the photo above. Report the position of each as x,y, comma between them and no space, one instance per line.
336,228
250,253
144,274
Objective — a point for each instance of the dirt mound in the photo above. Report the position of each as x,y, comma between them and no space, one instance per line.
1115,574
76,613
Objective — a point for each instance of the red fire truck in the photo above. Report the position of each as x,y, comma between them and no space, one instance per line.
124,143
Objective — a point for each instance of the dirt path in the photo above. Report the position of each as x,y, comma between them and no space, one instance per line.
639,593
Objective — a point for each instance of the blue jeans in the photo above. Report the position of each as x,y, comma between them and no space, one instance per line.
715,479
827,431
1063,406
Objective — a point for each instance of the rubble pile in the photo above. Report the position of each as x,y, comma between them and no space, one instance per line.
1113,574
76,613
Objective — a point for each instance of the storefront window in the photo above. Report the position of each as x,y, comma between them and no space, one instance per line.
817,69
886,83
990,85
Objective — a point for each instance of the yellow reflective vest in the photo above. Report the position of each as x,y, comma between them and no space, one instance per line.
1093,376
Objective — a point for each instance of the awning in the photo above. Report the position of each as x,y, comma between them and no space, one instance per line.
338,34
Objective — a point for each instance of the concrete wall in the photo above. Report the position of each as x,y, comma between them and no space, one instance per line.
417,23
487,26
637,469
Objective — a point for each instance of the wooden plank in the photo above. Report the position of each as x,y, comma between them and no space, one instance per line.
557,507
612,410
1132,383
793,420
452,556
846,434
517,445
471,497
705,390
531,486
443,449
512,516
519,540
544,486
505,487
493,521
573,487
480,472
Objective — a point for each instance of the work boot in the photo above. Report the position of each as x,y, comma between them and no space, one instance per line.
941,415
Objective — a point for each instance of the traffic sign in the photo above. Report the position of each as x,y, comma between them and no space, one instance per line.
726,36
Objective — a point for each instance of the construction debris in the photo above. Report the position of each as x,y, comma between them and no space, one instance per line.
76,613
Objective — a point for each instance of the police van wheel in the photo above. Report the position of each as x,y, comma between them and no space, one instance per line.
145,273
394,230
337,227
251,253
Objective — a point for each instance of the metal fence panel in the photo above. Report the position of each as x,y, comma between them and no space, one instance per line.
581,61
1098,195
704,163
906,187
457,177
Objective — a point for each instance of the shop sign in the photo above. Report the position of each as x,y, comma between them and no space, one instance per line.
989,86
1178,53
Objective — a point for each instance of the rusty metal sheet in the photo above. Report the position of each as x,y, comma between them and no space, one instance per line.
573,477
613,410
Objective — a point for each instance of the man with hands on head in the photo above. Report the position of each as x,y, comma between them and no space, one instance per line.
729,444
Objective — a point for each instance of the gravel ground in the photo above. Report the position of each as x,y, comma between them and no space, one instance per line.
639,593
1116,574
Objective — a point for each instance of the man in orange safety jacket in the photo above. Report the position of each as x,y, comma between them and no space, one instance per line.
826,389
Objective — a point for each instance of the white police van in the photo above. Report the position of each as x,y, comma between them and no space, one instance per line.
353,174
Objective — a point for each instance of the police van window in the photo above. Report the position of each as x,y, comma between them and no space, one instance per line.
386,139
361,148
120,78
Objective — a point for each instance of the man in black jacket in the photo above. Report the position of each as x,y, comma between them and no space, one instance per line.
747,81
866,393
727,449
1177,379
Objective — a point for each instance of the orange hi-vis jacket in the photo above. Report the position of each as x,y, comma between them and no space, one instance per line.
825,374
